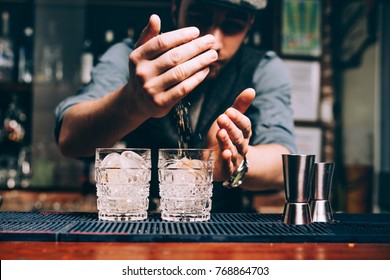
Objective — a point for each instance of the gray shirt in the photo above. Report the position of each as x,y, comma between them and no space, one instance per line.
270,112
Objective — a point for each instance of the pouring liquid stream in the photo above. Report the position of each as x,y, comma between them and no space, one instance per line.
184,128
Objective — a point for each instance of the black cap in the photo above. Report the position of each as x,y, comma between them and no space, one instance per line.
248,5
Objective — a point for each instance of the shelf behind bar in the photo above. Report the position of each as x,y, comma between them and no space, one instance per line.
11,86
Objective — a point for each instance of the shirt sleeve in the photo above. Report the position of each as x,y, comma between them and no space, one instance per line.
271,113
110,73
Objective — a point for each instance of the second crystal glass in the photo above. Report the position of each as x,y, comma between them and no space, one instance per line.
186,183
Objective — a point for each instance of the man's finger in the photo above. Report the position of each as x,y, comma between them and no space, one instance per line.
164,42
245,99
151,30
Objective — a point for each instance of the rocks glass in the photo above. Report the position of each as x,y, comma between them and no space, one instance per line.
186,183
123,183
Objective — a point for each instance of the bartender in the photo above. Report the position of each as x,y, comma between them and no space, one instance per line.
238,98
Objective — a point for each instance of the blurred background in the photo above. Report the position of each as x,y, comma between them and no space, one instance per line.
337,54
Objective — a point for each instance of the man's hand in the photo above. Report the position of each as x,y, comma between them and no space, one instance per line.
164,68
229,136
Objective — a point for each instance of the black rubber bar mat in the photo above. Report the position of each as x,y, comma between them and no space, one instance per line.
222,227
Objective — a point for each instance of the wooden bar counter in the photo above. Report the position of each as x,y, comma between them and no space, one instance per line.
191,251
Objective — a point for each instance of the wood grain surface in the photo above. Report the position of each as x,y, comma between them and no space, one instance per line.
196,251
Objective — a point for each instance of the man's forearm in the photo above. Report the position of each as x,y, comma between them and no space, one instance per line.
97,123
265,167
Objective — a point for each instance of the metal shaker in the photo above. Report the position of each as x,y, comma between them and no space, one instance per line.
297,171
321,209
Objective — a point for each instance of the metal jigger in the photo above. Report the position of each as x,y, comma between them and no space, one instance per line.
297,171
321,210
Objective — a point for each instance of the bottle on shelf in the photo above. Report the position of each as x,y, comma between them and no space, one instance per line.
13,141
24,167
130,33
6,51
246,40
88,183
51,68
14,125
256,39
25,65
86,63
109,37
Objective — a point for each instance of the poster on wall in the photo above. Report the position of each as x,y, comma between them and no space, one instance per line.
309,141
305,87
301,27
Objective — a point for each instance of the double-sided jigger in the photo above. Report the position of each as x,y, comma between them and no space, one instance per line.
297,171
321,210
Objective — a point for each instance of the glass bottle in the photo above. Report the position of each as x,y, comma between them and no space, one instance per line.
86,62
6,51
14,124
24,167
130,33
108,42
25,65
14,129
256,39
108,39
51,68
